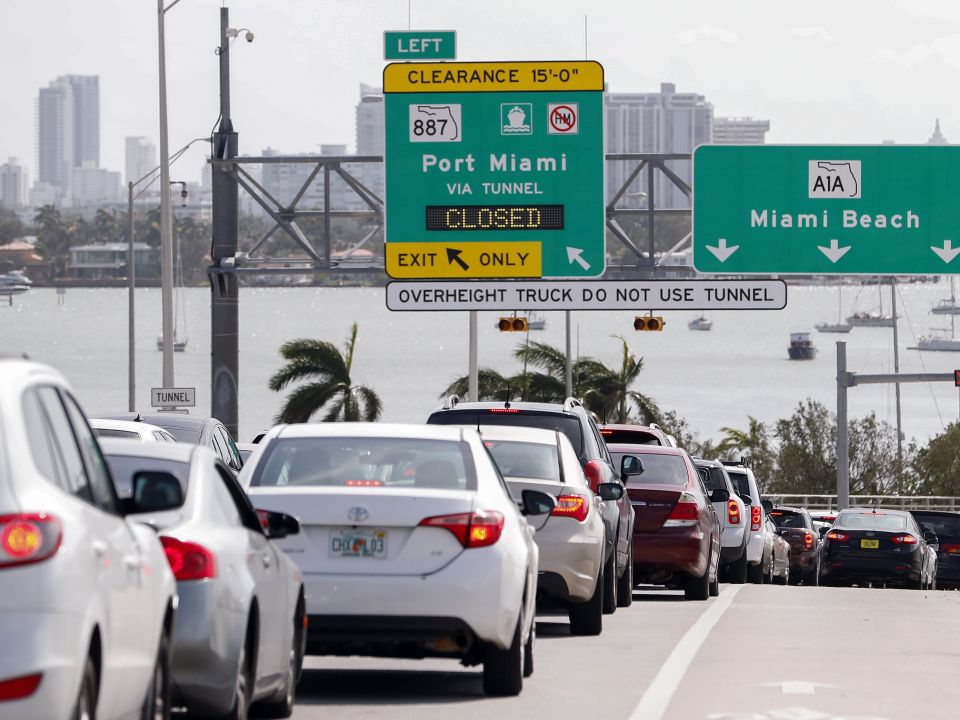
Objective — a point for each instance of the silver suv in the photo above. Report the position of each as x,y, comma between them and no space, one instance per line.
755,519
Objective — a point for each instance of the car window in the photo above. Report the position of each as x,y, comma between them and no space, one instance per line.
787,519
101,484
741,483
41,443
572,469
159,436
65,443
111,433
224,504
566,423
248,516
215,445
712,477
525,460
657,469
630,437
945,527
233,455
404,463
124,467
184,435
871,521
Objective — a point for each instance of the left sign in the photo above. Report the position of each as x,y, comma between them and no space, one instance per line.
420,45
173,397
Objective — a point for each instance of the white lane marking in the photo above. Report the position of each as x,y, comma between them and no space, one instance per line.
797,687
655,700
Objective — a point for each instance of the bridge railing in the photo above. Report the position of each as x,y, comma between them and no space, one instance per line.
892,502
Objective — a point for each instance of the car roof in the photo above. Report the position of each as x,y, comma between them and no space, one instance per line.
518,434
164,420
785,508
702,462
874,511
645,449
108,424
17,371
178,452
519,405
386,430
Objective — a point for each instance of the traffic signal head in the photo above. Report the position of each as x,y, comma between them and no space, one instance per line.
648,322
512,324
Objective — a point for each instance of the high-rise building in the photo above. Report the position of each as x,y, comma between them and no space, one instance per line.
937,138
140,157
284,180
663,122
13,184
371,123
740,131
68,128
91,185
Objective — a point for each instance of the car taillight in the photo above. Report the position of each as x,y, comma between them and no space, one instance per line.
594,474
756,517
685,513
363,483
837,535
503,410
472,530
733,512
189,561
807,540
572,506
19,687
28,538
904,539
950,548
264,517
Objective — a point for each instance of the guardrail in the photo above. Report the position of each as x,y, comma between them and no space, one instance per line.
893,502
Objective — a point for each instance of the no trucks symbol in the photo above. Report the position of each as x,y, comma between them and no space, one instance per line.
562,119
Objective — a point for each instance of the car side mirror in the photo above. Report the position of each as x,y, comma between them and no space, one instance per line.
824,530
610,491
537,503
154,491
630,465
784,532
931,538
720,495
767,505
277,525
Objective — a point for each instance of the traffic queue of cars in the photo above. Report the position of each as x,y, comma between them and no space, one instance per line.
143,574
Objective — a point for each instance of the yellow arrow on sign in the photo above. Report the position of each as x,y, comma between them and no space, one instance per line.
464,260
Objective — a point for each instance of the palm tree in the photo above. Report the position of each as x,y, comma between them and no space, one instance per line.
332,389
491,385
609,394
753,445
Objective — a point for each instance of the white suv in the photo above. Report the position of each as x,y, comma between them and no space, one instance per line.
746,486
734,521
88,597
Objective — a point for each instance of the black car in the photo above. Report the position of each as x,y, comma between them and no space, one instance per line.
573,420
876,546
796,526
946,526
208,432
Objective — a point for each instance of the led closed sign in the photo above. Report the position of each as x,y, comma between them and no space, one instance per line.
494,170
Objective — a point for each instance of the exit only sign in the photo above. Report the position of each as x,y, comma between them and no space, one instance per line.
420,45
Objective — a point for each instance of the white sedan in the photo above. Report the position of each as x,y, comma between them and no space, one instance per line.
411,545
130,430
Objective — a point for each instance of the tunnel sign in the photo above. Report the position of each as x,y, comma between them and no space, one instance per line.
871,210
173,397
494,170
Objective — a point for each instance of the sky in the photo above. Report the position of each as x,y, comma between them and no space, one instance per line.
822,71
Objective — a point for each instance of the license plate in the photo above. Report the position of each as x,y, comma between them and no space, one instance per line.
869,544
359,543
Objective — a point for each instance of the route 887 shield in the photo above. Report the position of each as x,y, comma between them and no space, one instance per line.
435,123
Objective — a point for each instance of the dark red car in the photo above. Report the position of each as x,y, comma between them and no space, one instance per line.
676,534
796,526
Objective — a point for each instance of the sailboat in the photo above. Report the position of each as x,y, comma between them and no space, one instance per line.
870,318
837,327
947,306
940,341
179,308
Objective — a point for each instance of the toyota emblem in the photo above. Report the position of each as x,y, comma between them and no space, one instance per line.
357,514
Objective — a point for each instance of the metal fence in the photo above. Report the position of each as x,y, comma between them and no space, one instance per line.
892,502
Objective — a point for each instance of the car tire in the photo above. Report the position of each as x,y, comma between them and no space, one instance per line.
587,618
715,585
737,570
156,705
755,574
87,698
625,584
698,587
610,584
503,669
529,650
243,688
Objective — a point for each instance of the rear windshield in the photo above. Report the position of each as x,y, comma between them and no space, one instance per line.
945,527
712,477
788,519
535,461
108,433
741,483
186,435
871,521
569,425
124,467
657,469
630,437
366,462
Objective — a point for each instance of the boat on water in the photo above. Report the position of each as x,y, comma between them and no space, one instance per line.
14,283
938,340
946,307
871,318
838,326
801,347
700,323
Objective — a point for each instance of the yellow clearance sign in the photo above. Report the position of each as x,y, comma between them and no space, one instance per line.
493,76
464,260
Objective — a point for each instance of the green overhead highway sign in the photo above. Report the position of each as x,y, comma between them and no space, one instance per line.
494,170
420,45
869,210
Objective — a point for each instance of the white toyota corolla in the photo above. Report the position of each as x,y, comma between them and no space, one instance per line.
411,544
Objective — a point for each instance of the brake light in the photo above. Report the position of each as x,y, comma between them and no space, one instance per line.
904,539
264,517
19,687
733,512
807,540
837,535
472,530
594,474
189,561
685,513
756,517
363,483
606,432
503,410
28,538
573,506
951,548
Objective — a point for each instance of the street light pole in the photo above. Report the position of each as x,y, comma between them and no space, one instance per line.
131,283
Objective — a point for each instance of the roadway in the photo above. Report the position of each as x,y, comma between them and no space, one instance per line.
755,653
